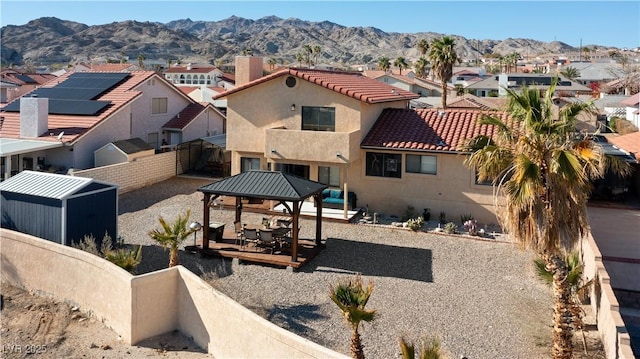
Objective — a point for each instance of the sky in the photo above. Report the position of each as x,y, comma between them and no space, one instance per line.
606,23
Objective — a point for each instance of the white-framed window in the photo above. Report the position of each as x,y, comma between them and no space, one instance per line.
159,105
329,176
422,164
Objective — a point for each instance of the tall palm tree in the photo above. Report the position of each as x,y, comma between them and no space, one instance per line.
308,50
272,63
351,297
384,64
317,50
140,61
423,46
570,72
299,58
544,172
400,63
513,58
172,235
443,57
421,66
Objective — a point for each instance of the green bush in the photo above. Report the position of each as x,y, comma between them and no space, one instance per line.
415,223
450,228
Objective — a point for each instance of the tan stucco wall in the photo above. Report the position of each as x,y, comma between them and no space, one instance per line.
614,336
133,175
138,307
452,190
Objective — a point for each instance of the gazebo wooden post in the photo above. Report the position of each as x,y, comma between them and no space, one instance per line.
238,208
205,225
294,227
318,199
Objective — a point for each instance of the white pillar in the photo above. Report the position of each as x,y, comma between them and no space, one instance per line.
346,201
7,167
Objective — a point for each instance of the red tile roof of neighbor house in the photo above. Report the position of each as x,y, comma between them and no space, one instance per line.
349,84
187,89
75,126
427,129
629,142
112,67
188,114
631,101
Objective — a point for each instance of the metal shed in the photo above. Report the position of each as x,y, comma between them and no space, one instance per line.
59,208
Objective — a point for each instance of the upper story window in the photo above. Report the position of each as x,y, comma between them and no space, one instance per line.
318,118
384,165
422,164
159,105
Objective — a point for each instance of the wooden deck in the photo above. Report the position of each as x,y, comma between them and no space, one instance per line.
227,248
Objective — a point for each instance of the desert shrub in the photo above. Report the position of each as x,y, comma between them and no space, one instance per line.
125,258
471,226
442,219
415,223
465,217
450,228
409,213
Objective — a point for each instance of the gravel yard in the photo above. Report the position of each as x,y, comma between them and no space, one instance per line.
479,297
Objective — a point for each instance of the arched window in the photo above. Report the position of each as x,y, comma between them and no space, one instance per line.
182,79
201,79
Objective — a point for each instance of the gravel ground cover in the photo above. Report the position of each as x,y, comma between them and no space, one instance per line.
480,298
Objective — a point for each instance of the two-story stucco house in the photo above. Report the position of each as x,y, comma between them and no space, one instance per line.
349,131
61,124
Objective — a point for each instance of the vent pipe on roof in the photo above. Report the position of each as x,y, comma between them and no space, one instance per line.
34,115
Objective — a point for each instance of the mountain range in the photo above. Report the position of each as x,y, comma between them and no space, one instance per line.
49,40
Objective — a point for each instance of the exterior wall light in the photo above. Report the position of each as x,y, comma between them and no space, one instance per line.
293,107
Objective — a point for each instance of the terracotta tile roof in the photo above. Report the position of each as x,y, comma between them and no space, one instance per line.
349,84
75,126
427,130
631,101
471,101
111,67
184,117
23,78
217,89
187,89
629,142
228,77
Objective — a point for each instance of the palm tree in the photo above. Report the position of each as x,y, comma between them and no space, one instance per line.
384,64
316,51
442,57
400,63
579,289
172,235
544,172
308,50
140,61
421,66
272,63
299,58
423,46
351,297
429,349
513,58
570,72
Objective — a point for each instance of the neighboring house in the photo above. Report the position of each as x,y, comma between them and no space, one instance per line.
192,74
81,112
5,88
632,109
24,82
195,121
496,85
349,131
598,72
468,101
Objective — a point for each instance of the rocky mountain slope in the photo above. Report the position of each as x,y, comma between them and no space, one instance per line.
50,40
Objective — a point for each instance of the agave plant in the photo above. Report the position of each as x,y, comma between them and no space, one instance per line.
351,297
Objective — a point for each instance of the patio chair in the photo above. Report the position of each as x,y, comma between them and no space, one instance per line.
239,233
266,240
251,235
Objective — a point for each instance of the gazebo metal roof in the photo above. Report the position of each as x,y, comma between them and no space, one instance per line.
273,185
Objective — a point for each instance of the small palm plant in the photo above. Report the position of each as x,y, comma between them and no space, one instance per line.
172,235
351,297
429,349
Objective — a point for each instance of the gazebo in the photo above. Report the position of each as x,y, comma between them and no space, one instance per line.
266,185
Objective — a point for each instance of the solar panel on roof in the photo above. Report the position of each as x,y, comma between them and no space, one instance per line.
76,107
72,96
26,79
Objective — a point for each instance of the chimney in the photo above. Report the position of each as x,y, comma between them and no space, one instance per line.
189,66
248,68
34,115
